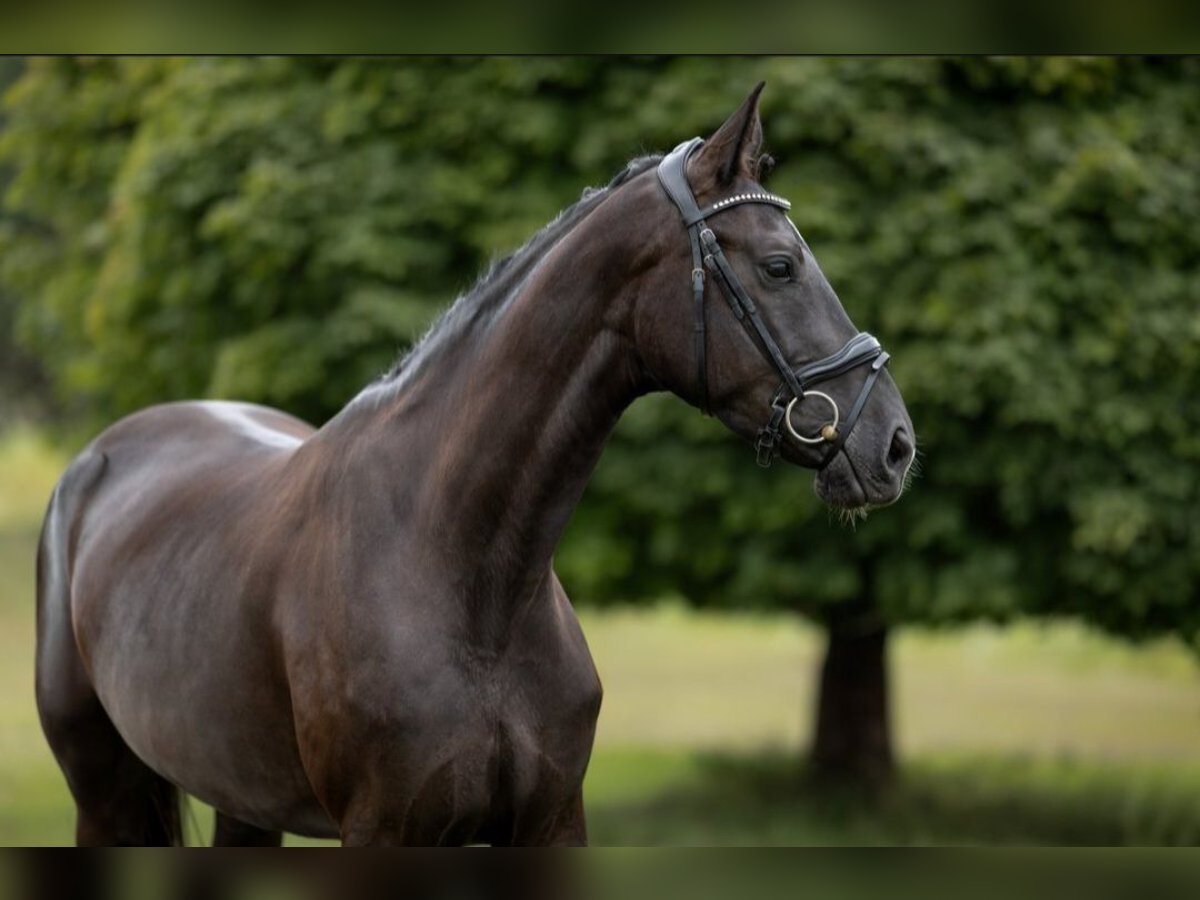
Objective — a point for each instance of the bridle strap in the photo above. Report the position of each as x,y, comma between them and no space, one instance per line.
859,349
745,309
876,367
700,326
672,175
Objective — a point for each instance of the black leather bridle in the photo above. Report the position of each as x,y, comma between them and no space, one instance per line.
797,383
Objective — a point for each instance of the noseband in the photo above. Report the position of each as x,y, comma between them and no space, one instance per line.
797,383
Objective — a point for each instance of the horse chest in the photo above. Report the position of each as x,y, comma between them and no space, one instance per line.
454,745
517,729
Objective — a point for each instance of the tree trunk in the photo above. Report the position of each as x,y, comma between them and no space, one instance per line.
852,745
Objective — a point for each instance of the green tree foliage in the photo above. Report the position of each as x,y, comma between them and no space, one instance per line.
1020,233
273,229
23,385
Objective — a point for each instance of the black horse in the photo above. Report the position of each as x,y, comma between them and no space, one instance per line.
356,631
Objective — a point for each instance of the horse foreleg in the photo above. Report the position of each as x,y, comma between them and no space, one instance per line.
567,829
231,832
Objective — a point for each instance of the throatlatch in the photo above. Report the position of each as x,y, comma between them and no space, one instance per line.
797,383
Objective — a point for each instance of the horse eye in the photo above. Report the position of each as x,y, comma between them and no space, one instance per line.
779,268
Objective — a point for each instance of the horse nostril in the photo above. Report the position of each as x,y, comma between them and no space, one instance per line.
900,450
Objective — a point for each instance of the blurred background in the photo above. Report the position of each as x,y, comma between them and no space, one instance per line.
1008,655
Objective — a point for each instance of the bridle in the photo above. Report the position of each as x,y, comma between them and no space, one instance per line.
797,383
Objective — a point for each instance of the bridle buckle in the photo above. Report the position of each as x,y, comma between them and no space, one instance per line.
766,447
770,436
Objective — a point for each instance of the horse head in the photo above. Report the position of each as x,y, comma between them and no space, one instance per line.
765,345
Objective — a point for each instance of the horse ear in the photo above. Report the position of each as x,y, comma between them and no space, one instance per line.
732,150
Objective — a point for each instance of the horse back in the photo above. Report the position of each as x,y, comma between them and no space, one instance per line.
164,469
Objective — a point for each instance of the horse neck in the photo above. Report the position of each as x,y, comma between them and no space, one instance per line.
488,445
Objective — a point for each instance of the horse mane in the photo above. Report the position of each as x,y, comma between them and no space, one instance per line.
498,282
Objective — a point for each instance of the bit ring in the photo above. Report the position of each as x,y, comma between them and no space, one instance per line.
828,431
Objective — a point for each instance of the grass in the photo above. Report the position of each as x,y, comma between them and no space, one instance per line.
714,799
1029,735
